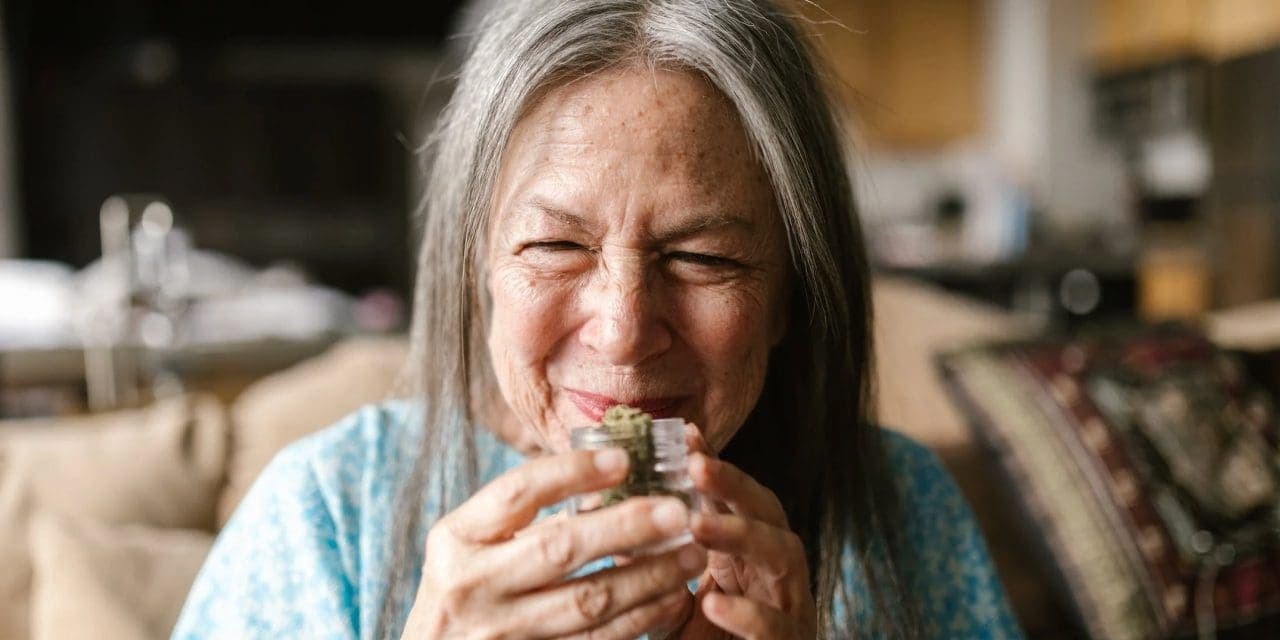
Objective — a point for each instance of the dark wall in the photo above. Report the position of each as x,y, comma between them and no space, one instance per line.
1245,201
131,96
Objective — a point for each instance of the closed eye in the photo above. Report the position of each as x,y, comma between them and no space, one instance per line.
703,259
555,245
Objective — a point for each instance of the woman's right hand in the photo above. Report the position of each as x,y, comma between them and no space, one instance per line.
489,573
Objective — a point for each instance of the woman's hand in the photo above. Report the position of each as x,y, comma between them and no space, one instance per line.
489,573
756,584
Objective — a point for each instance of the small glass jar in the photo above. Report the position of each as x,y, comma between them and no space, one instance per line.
659,467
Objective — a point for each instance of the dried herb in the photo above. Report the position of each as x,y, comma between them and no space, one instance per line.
632,430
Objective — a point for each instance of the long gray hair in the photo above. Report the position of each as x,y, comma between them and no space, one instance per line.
810,437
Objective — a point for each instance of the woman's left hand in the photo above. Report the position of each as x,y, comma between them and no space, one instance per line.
756,584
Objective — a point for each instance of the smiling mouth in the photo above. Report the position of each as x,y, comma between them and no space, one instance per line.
593,405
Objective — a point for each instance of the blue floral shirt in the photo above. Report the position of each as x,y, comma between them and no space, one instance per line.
306,553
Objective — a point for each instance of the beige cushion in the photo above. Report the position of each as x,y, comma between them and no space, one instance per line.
161,466
914,323
303,399
99,580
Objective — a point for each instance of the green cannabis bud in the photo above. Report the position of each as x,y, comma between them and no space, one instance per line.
632,429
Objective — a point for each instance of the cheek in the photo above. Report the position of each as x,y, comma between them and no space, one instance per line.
722,328
730,335
528,313
528,322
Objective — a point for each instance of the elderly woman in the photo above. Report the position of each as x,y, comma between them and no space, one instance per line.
640,202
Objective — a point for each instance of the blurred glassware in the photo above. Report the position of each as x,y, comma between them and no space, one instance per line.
142,307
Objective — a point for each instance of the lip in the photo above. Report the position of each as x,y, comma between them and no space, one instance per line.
593,405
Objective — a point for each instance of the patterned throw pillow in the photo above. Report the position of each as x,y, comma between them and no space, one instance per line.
1149,466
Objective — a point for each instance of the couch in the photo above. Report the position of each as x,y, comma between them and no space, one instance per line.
105,519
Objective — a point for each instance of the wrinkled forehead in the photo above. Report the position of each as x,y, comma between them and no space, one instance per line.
660,131
634,100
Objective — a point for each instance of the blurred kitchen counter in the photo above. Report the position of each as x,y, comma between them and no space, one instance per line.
49,375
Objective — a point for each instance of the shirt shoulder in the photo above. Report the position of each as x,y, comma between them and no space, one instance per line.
287,563
306,553
952,575
382,443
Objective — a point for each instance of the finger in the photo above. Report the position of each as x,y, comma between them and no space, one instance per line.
591,601
781,551
676,619
697,625
551,552
697,444
721,480
511,501
747,618
642,619
550,520
694,440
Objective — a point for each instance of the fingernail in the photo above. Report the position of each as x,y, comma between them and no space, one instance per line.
608,460
690,558
670,516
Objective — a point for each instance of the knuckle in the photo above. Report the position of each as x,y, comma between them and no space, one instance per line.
555,549
592,599
661,575
510,490
451,532
792,542
791,562
456,598
796,552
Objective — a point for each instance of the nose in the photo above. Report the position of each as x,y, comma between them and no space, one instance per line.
627,324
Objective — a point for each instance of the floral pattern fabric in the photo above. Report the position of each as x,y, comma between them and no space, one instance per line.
306,553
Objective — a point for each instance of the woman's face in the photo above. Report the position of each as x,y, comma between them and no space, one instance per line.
635,255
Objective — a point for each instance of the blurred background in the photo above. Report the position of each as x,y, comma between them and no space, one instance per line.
206,209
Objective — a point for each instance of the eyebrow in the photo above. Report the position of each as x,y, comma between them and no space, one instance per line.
712,221
563,216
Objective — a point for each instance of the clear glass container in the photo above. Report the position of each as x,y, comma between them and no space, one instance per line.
659,467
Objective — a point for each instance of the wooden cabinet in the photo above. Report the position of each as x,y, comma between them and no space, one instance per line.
1236,27
1135,33
910,71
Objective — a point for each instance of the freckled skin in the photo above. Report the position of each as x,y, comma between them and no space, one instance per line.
603,296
